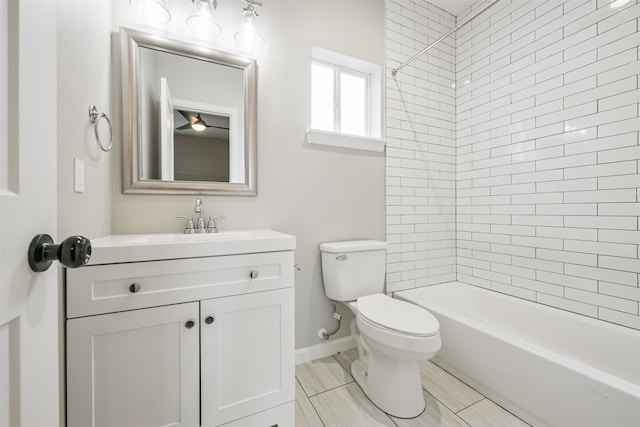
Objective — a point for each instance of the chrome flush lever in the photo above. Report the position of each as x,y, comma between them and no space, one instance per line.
341,258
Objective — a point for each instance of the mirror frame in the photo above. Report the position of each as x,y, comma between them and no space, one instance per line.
132,181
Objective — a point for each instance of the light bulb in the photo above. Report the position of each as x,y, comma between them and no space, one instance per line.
199,125
202,20
153,10
248,35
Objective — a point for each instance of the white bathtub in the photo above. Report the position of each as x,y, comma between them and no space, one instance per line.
547,366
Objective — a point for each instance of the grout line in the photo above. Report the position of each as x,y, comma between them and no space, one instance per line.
467,385
458,379
329,389
470,405
348,371
300,384
310,403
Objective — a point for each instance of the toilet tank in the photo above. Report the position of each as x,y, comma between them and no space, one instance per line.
353,269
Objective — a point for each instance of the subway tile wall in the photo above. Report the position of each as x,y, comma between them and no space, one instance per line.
547,153
420,154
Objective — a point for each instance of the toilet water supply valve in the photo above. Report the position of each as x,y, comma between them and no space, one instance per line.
322,333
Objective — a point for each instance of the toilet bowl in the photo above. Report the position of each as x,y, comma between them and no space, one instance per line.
392,336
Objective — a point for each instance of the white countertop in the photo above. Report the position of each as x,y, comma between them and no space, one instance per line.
150,247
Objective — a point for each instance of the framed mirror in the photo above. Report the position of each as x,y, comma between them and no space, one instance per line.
189,118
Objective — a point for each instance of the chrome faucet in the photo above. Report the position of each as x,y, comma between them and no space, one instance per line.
198,209
198,227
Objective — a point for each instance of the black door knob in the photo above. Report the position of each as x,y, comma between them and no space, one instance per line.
74,251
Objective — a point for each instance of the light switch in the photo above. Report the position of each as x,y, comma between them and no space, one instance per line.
78,176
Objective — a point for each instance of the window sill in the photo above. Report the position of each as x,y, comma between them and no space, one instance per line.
343,140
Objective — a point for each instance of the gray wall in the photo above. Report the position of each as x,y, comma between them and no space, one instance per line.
84,77
201,159
316,193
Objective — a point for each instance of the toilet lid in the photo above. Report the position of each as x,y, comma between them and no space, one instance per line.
396,315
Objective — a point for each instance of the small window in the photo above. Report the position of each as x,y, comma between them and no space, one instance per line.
339,99
345,94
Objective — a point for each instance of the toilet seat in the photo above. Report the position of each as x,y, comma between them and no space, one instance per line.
397,316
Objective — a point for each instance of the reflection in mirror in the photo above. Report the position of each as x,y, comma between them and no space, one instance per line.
195,111
200,137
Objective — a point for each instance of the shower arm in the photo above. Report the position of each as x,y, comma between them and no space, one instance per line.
394,71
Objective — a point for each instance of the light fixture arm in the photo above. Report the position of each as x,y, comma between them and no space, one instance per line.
253,3
215,3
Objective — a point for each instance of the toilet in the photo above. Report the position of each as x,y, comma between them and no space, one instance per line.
393,336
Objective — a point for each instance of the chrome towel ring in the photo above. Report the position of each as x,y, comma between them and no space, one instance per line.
95,119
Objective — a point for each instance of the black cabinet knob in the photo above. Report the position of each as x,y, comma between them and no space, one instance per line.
135,287
209,320
189,324
73,252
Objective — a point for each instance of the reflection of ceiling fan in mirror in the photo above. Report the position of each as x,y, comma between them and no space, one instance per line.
197,123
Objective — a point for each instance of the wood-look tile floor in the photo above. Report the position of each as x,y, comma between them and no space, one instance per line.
327,395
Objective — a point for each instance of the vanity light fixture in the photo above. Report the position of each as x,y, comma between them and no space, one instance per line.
203,22
248,35
154,10
202,19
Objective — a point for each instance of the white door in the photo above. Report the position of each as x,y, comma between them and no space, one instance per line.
247,352
166,132
138,368
29,373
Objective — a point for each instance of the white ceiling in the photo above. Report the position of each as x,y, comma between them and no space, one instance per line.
454,7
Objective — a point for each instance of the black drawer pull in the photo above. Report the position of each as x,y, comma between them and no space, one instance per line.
135,287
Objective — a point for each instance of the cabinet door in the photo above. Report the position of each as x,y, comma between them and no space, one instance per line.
247,354
135,368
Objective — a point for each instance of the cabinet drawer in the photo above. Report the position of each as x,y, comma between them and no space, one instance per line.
118,287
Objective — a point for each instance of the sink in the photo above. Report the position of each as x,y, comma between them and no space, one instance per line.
182,238
149,247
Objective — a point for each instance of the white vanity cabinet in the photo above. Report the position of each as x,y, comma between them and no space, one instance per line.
249,350
183,342
135,368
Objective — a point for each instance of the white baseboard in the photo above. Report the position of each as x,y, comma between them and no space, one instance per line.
324,349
